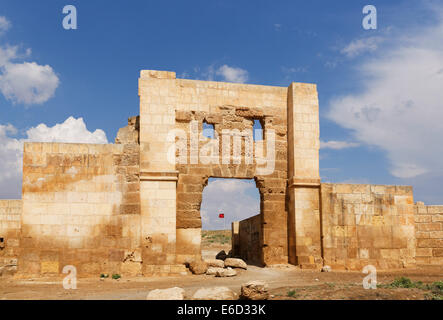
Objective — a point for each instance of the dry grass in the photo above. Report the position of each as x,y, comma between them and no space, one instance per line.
216,237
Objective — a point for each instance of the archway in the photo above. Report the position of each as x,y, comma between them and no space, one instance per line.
225,201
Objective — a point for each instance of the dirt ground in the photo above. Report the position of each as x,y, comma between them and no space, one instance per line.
285,282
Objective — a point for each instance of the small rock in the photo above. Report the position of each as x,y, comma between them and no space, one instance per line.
175,293
215,293
254,290
198,267
235,263
218,263
212,271
326,269
221,255
225,273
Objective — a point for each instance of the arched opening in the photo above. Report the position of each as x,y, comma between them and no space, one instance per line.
225,201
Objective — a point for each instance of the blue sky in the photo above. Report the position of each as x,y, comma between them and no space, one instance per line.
379,109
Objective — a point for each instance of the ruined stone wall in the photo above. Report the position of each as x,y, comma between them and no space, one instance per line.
429,234
80,207
367,225
229,106
10,227
246,235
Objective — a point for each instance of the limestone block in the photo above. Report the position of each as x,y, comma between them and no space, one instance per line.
215,293
212,271
175,293
235,263
228,272
218,263
198,267
254,290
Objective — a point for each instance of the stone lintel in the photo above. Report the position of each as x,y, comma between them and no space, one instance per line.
295,182
159,176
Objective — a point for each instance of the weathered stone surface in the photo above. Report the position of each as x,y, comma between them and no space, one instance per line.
215,263
212,271
198,267
175,293
254,290
215,293
130,133
228,272
235,263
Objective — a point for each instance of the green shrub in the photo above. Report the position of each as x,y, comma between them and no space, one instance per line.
402,283
437,286
292,293
116,276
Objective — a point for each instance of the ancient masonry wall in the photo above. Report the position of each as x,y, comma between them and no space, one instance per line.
128,208
169,103
367,225
80,208
429,234
10,227
246,235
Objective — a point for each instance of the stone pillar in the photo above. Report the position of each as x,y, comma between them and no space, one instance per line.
158,177
304,229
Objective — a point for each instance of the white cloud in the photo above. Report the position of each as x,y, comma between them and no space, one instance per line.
399,107
11,153
26,82
232,74
72,130
359,46
237,199
337,145
222,73
5,24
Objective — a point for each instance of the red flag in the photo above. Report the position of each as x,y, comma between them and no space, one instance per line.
221,215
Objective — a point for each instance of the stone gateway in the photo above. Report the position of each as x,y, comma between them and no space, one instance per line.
133,207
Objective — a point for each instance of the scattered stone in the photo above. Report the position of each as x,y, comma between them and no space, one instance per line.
218,263
235,263
225,273
212,271
175,293
215,293
326,269
221,255
254,290
198,267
